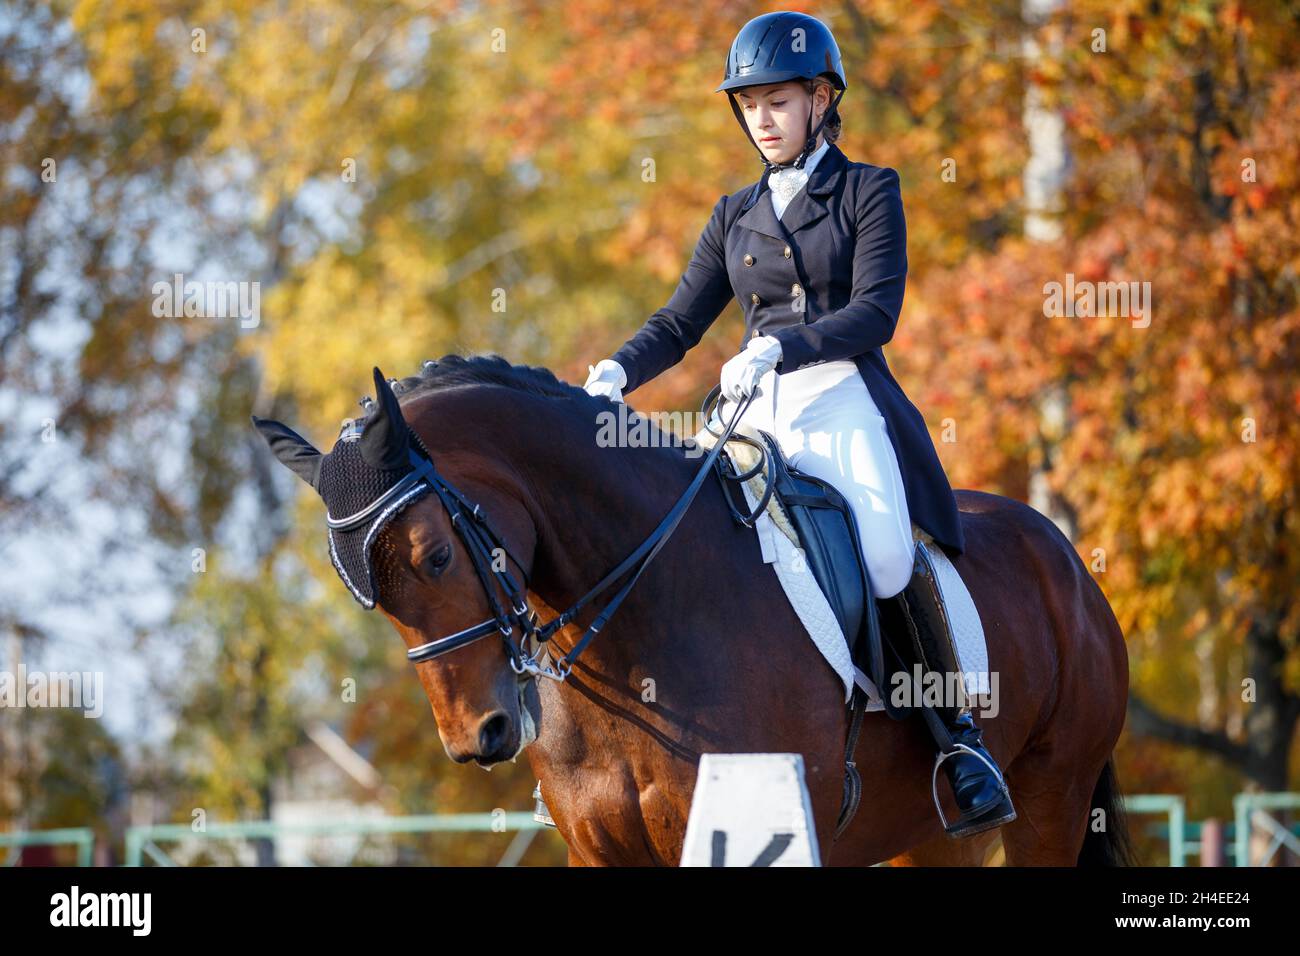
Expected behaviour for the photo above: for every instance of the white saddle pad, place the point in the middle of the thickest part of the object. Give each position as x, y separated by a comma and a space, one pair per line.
779, 543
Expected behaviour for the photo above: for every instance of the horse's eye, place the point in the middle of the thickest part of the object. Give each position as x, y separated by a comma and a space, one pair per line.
438, 560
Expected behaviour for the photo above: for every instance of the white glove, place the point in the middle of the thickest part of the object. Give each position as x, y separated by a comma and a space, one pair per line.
740, 374
607, 378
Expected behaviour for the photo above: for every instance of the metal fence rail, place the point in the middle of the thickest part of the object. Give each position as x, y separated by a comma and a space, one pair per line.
1174, 807
1251, 813
143, 841
82, 837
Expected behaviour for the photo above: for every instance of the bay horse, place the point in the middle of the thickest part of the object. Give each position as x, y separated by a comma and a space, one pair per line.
706, 653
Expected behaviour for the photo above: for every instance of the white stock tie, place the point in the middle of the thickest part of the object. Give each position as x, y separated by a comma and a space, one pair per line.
787, 182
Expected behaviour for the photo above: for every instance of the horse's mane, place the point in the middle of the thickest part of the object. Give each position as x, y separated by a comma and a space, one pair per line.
454, 371
451, 371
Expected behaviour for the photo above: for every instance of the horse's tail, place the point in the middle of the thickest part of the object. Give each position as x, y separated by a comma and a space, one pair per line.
1110, 844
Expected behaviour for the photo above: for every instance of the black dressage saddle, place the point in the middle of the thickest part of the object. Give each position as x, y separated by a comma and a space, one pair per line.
828, 534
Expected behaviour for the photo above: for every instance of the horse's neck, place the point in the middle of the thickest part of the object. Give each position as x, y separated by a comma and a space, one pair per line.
694, 636
594, 506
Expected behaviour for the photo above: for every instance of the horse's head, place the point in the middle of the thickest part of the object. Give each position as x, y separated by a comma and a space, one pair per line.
395, 544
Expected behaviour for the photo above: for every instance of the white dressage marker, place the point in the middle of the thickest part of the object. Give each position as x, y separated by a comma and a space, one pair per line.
750, 810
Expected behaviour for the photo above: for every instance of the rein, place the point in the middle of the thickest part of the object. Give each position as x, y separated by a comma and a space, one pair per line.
481, 541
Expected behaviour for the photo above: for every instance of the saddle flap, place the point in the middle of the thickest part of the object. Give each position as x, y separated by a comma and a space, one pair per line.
828, 532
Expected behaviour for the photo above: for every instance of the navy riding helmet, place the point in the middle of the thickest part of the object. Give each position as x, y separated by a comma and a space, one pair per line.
776, 47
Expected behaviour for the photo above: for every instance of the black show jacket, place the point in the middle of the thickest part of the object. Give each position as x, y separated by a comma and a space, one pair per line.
827, 281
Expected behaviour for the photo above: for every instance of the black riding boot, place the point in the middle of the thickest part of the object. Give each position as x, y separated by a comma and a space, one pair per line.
977, 783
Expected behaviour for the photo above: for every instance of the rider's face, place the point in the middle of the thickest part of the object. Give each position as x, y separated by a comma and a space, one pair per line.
777, 116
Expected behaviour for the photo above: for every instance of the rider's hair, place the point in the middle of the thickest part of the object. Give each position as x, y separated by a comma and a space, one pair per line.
832, 128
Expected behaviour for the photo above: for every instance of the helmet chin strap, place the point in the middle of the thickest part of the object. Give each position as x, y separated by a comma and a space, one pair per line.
810, 144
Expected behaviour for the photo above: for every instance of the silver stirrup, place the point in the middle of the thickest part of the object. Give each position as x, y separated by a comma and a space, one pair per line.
934, 776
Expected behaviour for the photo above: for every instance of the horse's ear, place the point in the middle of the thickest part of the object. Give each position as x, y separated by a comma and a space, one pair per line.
386, 438
293, 451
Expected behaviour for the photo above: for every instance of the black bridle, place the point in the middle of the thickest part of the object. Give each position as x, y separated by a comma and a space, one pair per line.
483, 544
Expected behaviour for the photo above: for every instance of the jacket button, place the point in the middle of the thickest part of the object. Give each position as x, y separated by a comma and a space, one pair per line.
749, 260
786, 253
753, 297
756, 334
796, 289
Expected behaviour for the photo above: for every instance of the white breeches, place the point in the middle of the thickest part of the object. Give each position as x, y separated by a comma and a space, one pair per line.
827, 424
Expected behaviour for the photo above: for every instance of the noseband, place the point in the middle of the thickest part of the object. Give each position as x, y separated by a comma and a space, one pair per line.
481, 541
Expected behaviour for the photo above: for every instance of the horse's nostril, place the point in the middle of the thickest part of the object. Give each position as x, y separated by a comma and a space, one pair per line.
492, 733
